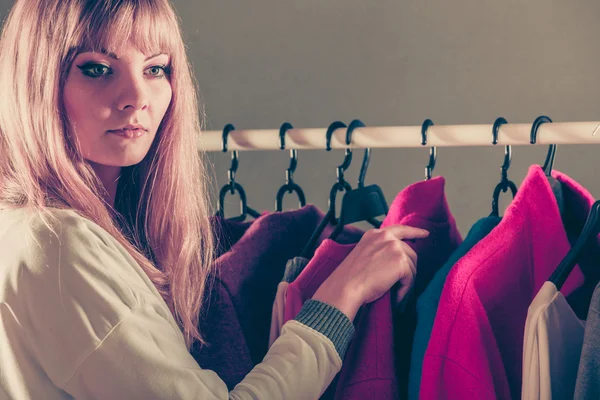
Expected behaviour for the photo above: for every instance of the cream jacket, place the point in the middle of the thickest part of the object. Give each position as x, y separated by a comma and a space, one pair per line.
80, 319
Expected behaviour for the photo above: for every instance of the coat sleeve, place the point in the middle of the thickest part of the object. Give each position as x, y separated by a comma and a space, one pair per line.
143, 358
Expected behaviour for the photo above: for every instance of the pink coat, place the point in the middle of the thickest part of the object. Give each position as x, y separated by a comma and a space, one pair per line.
476, 346
369, 370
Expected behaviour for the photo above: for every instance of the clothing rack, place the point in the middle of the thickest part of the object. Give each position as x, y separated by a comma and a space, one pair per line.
404, 136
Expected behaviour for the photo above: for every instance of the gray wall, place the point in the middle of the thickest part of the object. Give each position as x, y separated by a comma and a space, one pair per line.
393, 63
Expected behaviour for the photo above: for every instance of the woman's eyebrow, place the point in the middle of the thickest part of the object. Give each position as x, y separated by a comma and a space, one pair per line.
114, 56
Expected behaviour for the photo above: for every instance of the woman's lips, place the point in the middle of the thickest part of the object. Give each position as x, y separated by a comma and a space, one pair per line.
129, 133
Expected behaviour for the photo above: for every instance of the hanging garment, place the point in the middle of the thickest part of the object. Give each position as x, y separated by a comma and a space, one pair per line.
226, 233
237, 317
427, 303
476, 345
278, 313
552, 347
80, 319
369, 370
292, 269
588, 375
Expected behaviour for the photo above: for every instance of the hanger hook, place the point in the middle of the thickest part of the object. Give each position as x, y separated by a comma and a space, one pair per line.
507, 149
357, 123
505, 183
289, 175
549, 163
234, 157
232, 186
341, 184
432, 151
290, 186
348, 154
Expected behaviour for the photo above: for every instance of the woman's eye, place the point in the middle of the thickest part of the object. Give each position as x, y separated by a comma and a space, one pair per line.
158, 68
95, 71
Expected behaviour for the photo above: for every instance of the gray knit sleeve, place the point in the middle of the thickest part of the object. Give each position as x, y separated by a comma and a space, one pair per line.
328, 320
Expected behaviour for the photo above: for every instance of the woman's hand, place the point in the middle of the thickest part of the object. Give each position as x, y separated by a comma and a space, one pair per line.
379, 261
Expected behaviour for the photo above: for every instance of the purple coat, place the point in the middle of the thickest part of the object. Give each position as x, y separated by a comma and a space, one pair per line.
237, 319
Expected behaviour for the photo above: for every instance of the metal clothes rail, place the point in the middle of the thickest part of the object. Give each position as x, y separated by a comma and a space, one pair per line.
404, 136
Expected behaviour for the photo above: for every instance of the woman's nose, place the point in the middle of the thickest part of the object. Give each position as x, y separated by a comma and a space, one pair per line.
132, 93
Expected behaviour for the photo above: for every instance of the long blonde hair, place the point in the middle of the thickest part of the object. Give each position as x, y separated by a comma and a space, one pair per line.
162, 208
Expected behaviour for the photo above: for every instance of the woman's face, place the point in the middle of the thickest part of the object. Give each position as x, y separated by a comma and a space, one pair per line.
102, 93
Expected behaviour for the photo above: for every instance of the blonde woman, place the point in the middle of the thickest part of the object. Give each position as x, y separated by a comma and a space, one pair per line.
105, 245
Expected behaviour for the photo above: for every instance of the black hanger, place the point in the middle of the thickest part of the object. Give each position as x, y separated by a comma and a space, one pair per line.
290, 186
590, 231
232, 186
549, 163
365, 202
505, 183
361, 183
432, 151
339, 186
